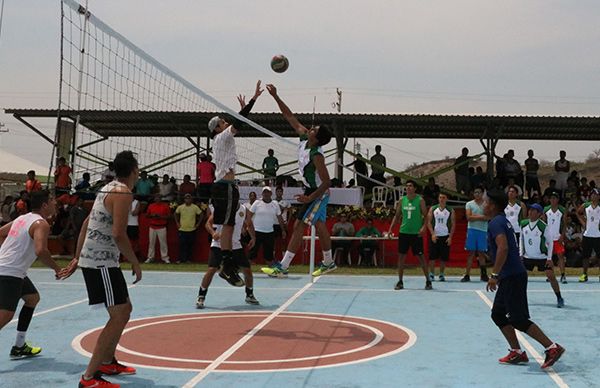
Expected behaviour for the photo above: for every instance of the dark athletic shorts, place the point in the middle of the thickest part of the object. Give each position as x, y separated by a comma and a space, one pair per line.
277, 230
511, 298
225, 199
216, 258
133, 232
530, 264
412, 241
588, 245
440, 249
12, 289
105, 286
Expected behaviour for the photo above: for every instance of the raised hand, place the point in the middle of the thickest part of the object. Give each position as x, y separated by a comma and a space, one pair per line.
258, 91
242, 100
272, 90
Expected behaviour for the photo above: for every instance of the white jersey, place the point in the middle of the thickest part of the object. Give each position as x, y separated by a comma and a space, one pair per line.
441, 221
131, 219
17, 253
224, 151
513, 214
99, 248
284, 206
536, 242
264, 214
555, 221
236, 238
592, 223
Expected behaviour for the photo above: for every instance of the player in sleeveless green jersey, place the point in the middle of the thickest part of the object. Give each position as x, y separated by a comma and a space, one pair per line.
441, 223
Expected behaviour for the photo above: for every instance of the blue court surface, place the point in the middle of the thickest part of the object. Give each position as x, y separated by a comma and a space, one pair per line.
449, 339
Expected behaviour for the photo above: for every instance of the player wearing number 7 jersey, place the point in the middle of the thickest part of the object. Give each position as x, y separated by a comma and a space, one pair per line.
556, 217
589, 215
410, 213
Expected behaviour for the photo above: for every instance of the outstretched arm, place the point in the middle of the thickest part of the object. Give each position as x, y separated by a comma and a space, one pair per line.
287, 113
246, 108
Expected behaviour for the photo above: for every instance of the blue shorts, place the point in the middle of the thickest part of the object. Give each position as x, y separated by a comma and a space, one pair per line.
476, 240
315, 211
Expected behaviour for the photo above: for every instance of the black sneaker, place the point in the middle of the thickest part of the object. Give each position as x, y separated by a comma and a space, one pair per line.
428, 285
465, 279
200, 301
399, 285
563, 279
250, 299
232, 277
484, 278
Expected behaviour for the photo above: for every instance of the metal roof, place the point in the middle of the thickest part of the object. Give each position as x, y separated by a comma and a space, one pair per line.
193, 124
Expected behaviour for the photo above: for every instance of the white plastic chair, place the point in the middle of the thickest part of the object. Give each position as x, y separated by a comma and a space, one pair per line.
379, 195
399, 192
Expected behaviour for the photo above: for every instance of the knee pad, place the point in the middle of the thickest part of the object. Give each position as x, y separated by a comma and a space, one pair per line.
499, 319
522, 325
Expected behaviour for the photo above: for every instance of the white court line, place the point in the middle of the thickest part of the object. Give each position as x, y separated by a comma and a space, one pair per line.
242, 341
538, 357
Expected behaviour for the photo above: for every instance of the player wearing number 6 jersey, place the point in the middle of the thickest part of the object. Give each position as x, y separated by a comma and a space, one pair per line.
410, 213
536, 248
555, 217
440, 222
589, 215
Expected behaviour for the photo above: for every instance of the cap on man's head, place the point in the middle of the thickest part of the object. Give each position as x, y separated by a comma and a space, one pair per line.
212, 124
555, 194
187, 195
537, 207
267, 188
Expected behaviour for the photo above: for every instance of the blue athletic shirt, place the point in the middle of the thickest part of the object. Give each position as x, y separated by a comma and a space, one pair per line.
513, 264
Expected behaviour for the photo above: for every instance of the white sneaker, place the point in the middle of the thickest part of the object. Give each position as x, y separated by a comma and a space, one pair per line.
148, 261
166, 261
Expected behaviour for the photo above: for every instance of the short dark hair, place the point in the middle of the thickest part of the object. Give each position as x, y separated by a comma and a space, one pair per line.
323, 135
38, 198
479, 187
498, 198
125, 163
30, 172
411, 182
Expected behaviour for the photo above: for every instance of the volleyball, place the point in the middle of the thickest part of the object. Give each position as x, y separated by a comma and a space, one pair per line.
279, 63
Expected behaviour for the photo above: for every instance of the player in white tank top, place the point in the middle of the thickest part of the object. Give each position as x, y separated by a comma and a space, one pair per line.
555, 216
516, 210
589, 215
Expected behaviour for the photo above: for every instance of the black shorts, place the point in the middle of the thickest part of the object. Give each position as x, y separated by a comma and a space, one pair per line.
412, 241
530, 264
216, 258
105, 286
133, 232
511, 298
277, 230
305, 206
588, 245
225, 200
439, 249
12, 289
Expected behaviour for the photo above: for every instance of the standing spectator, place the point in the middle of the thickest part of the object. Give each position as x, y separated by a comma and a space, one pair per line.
571, 189
187, 217
431, 192
32, 184
342, 228
368, 248
441, 221
22, 206
476, 243
270, 165
263, 212
362, 171
186, 187
62, 177
82, 189
144, 186
285, 206
77, 215
109, 174
531, 174
589, 215
251, 200
378, 160
158, 212
5, 210
133, 226
512, 169
461, 172
479, 178
167, 189
551, 189
206, 177
562, 167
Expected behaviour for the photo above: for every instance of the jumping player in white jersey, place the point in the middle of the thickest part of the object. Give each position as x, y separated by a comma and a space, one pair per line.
441, 223
21, 242
239, 256
536, 246
103, 239
589, 215
555, 216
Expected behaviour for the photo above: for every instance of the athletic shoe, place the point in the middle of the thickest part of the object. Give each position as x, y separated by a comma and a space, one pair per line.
115, 368
583, 278
431, 276
442, 277
275, 271
484, 278
563, 279
324, 268
547, 280
465, 279
166, 261
148, 261
232, 278
514, 357
428, 285
399, 285
250, 299
552, 355
200, 301
560, 302
96, 381
24, 351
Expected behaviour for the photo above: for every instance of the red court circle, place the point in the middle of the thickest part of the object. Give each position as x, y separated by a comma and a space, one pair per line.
289, 341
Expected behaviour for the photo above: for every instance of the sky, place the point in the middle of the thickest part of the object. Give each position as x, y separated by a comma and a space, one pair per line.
539, 57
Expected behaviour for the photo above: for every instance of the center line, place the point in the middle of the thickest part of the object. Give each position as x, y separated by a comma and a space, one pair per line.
242, 341
538, 357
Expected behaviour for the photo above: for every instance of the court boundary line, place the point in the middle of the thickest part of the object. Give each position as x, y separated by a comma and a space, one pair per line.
537, 356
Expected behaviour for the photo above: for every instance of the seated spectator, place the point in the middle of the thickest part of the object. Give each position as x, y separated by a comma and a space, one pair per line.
109, 174
431, 192
167, 189
574, 237
571, 188
61, 219
479, 178
143, 187
22, 206
158, 212
351, 183
77, 215
186, 187
551, 188
32, 184
583, 192
5, 210
83, 188
573, 203
575, 177
342, 228
368, 247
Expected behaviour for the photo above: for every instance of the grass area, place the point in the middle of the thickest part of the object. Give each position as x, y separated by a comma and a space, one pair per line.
303, 269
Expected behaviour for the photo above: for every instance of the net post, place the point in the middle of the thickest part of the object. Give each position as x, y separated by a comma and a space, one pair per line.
313, 243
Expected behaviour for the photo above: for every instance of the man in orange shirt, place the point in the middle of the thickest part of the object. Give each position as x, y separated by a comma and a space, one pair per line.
62, 177
206, 177
158, 213
32, 184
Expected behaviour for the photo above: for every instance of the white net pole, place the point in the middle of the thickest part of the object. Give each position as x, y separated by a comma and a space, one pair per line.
313, 244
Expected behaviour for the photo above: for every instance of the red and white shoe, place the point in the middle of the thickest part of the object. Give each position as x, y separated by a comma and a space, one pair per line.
552, 355
116, 368
514, 357
96, 381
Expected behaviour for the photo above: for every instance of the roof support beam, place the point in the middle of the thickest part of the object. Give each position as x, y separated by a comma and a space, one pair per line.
34, 129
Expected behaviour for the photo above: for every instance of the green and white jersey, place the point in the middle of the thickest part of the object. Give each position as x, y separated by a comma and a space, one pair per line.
412, 219
441, 220
306, 167
513, 214
536, 242
592, 224
555, 220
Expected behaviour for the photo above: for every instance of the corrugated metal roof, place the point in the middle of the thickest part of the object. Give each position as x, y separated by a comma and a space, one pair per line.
193, 124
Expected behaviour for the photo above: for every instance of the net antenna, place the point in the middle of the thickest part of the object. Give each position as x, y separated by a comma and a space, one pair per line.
105, 76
